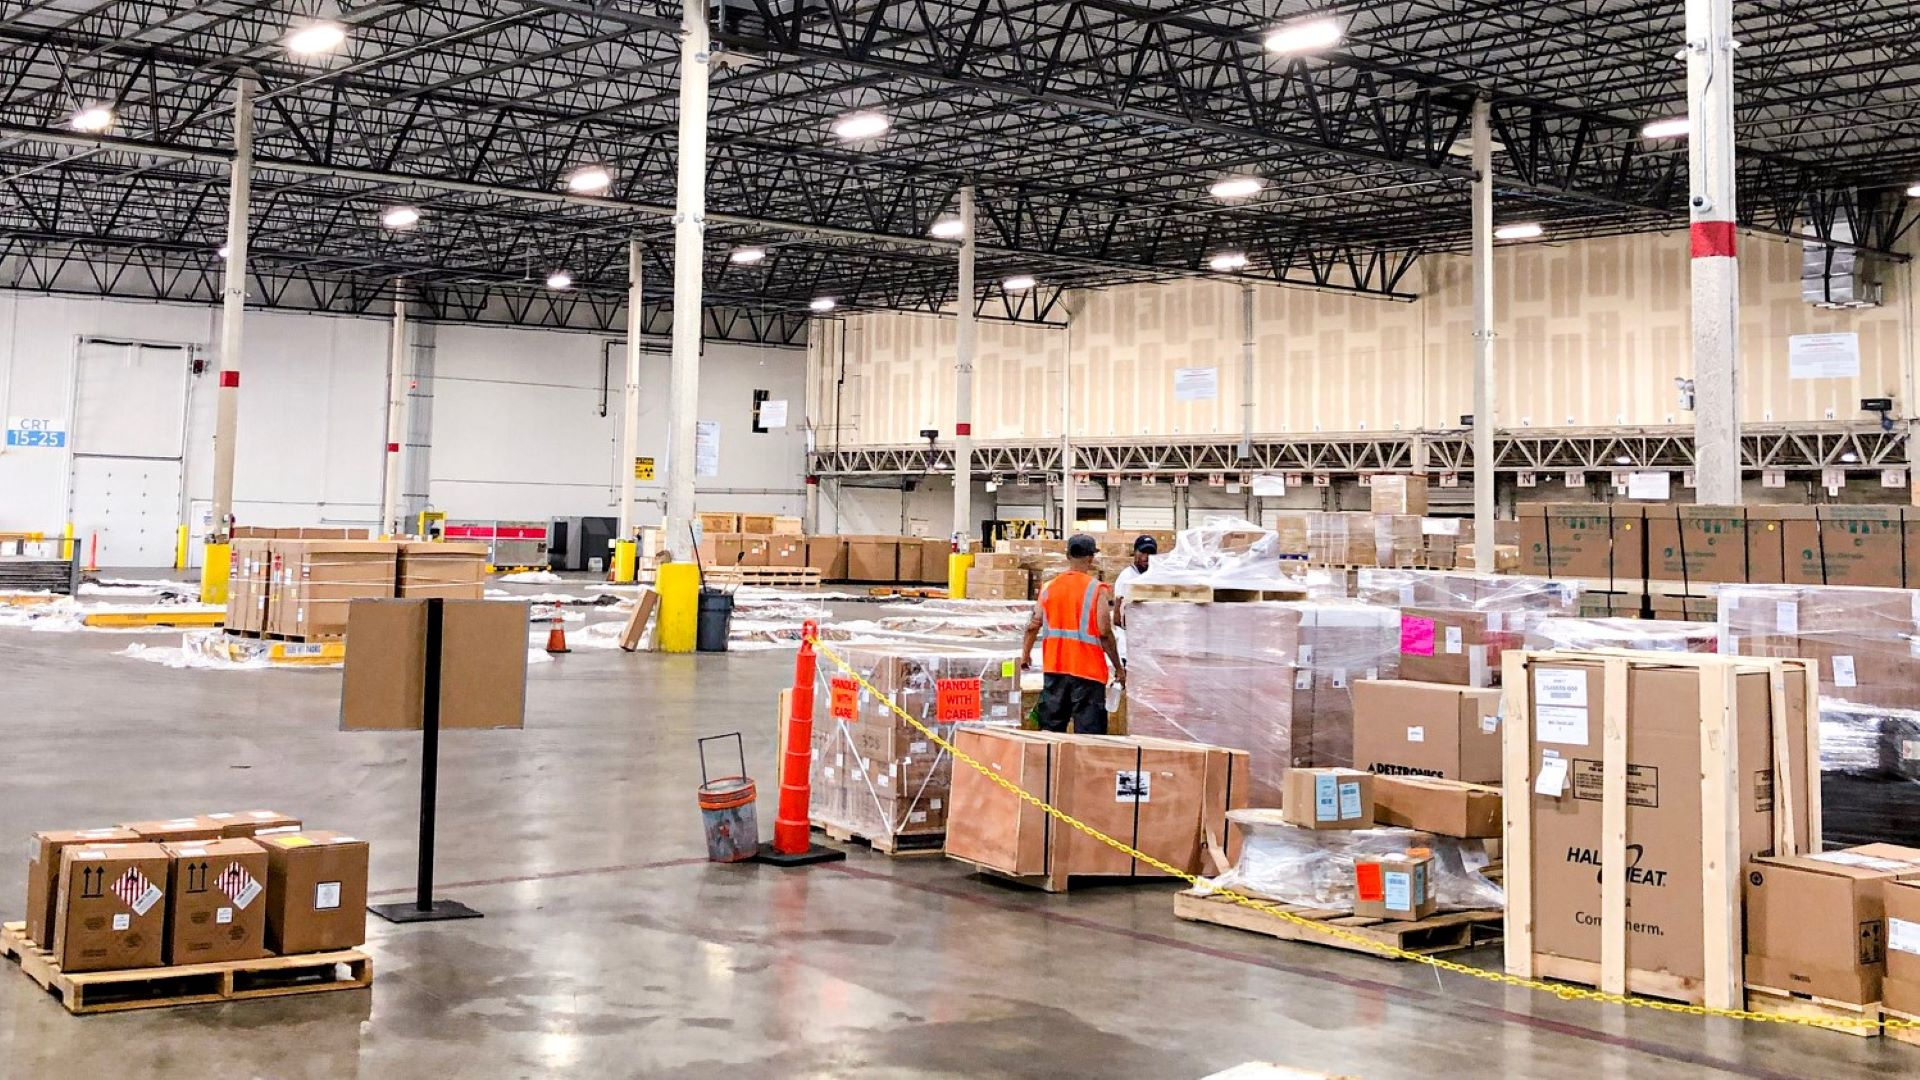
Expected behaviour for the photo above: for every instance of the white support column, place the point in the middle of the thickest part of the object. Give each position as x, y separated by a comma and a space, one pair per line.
689, 253
963, 384
1247, 349
1483, 394
630, 404
397, 378
1716, 271
1069, 489
233, 309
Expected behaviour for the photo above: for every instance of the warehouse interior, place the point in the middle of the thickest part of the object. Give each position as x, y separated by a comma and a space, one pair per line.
451, 424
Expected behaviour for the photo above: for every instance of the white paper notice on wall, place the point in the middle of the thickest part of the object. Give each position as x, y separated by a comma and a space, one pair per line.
1269, 486
1823, 356
1657, 486
1196, 384
1560, 686
706, 448
773, 414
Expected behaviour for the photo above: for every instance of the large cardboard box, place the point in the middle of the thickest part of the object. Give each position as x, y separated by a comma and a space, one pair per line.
317, 579
1392, 493
1901, 989
999, 584
786, 549
1571, 540
828, 554
874, 559
1328, 799
450, 571
1441, 807
1766, 544
316, 892
1341, 642
1697, 543
247, 585
111, 910
242, 824
1847, 545
43, 873
1815, 923
1404, 728
198, 827
1161, 797
218, 906
483, 665
1455, 645
933, 561
907, 568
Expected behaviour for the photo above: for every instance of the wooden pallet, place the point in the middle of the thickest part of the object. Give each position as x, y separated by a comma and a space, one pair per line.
186, 984
1429, 936
1767, 1000
899, 845
1063, 883
790, 577
1910, 1036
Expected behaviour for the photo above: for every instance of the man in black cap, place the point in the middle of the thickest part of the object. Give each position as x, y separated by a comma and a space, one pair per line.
1144, 549
1075, 619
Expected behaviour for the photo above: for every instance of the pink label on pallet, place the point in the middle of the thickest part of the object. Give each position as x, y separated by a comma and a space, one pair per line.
1416, 636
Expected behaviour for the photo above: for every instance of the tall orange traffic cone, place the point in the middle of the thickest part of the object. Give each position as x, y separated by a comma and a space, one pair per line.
557, 635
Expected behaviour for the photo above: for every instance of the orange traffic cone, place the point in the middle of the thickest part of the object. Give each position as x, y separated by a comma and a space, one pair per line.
557, 635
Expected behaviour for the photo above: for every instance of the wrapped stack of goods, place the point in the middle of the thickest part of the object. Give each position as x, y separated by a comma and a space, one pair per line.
877, 777
1454, 626
1861, 642
999, 575
298, 588
1609, 633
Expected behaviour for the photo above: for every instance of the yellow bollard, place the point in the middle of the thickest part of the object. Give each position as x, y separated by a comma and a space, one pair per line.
679, 587
215, 573
626, 561
180, 549
66, 543
957, 567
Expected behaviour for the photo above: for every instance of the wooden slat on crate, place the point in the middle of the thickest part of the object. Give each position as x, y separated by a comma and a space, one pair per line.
1429, 936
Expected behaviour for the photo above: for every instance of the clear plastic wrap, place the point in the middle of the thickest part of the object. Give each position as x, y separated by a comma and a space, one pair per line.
1455, 625
1224, 553
1340, 641
1465, 590
1643, 634
1314, 867
876, 776
1866, 641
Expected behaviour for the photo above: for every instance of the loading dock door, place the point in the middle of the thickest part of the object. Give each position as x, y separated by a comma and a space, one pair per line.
129, 440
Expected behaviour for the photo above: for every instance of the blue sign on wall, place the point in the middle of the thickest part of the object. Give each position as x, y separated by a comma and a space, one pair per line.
36, 431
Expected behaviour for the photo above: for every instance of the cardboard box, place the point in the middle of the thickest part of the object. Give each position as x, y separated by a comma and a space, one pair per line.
111, 910
1403, 728
828, 554
247, 823
1393, 886
1766, 545
1454, 645
934, 557
1696, 543
1901, 989
315, 580
1392, 493
198, 827
247, 591
1441, 807
874, 558
1581, 540
43, 874
1328, 799
786, 550
907, 568
451, 571
316, 892
996, 560
718, 523
483, 665
754, 551
218, 907
1847, 545
1816, 923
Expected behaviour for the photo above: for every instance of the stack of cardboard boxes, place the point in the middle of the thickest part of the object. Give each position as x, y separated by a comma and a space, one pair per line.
999, 575
752, 540
299, 587
202, 889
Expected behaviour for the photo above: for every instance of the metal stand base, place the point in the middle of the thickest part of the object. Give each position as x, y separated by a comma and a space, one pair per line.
815, 853
407, 911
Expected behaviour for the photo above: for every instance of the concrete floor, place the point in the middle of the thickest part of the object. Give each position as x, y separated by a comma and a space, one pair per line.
611, 949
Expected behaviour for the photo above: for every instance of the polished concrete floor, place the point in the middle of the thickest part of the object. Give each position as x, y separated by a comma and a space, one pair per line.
611, 949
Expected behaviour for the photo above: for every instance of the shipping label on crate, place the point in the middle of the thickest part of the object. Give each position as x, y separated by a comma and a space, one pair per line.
956, 701
843, 698
1134, 787
1643, 783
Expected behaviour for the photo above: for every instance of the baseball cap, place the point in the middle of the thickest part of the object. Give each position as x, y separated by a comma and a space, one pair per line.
1148, 545
1082, 547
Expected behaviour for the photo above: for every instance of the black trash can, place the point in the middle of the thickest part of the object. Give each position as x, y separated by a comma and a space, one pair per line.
716, 620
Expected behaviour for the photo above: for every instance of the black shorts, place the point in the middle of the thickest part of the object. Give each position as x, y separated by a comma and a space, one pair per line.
1069, 698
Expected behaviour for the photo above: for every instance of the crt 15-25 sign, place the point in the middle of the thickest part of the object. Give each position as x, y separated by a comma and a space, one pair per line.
35, 431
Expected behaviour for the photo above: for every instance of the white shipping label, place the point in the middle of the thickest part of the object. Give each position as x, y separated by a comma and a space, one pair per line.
1306, 656
1786, 616
1338, 677
260, 814
1496, 621
1133, 787
145, 901
1326, 798
917, 816
1843, 671
1560, 724
1903, 936
1453, 640
1553, 778
122, 921
933, 804
90, 855
223, 916
1489, 724
1416, 734
248, 894
1864, 862
193, 852
1399, 885
1350, 800
326, 896
1560, 686
219, 817
1302, 679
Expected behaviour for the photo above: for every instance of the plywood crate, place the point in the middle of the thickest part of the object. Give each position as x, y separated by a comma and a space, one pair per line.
718, 523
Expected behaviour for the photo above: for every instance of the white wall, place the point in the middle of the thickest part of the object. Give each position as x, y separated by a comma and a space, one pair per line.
516, 430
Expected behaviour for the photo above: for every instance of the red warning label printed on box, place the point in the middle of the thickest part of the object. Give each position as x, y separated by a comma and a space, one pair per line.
843, 698
956, 701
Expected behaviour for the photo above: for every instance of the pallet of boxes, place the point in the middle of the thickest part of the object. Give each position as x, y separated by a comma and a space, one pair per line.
298, 588
755, 549
215, 907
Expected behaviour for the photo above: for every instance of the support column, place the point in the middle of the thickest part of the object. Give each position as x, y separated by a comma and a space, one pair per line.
963, 384
1716, 272
1483, 395
1069, 489
217, 566
390, 523
625, 550
678, 583
1247, 348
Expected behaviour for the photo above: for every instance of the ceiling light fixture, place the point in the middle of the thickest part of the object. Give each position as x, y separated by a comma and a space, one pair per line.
1623, 460
1018, 283
1527, 230
400, 218
1914, 192
858, 126
93, 119
949, 228
1303, 37
1674, 128
1228, 261
591, 180
1849, 457
316, 38
746, 256
559, 281
1237, 187
824, 304
224, 251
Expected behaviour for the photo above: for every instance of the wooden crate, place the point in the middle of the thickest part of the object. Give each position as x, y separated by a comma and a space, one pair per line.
1430, 936
718, 523
186, 984
1860, 1021
1721, 857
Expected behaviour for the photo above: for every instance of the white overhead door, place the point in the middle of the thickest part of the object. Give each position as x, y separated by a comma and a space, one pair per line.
129, 439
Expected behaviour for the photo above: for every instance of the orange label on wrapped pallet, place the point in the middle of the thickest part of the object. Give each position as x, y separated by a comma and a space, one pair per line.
956, 700
843, 699
1367, 884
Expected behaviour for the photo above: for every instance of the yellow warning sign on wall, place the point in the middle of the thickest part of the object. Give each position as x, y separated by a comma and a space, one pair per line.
643, 468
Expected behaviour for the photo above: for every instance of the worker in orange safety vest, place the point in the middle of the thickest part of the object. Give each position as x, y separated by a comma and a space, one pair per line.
1074, 622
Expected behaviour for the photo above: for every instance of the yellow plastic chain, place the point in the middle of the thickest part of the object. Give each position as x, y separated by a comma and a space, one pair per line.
1563, 991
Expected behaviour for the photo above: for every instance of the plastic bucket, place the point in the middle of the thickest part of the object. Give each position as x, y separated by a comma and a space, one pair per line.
726, 813
716, 620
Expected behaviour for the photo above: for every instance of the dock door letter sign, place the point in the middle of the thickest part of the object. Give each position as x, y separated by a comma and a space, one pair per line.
36, 431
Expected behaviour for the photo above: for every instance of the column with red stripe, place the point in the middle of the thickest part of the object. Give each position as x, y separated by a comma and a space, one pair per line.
1716, 269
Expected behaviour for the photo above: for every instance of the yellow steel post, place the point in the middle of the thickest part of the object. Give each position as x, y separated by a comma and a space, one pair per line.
957, 567
626, 562
180, 549
215, 572
679, 587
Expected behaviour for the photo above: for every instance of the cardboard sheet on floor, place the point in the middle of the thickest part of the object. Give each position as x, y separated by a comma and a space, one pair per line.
635, 631
483, 672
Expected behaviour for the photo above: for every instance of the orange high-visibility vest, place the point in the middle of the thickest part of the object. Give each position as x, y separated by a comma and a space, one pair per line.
1070, 644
